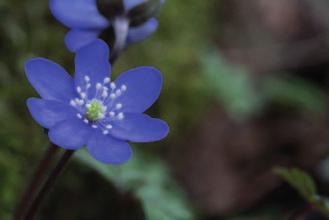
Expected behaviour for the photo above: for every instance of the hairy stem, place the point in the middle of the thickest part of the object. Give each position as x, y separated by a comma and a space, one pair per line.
32, 209
36, 180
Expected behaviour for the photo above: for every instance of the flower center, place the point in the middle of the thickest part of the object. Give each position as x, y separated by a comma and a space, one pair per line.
95, 110
97, 104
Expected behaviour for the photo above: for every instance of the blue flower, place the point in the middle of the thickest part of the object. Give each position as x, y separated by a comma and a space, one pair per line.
93, 111
87, 23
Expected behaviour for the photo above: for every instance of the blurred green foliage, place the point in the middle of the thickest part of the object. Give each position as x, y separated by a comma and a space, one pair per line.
244, 96
295, 92
232, 85
300, 180
150, 180
305, 186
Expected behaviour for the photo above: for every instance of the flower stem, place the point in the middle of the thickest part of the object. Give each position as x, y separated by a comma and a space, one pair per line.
32, 209
121, 27
36, 180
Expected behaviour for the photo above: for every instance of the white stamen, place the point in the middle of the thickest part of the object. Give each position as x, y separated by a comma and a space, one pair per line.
86, 121
105, 132
83, 95
87, 79
118, 106
112, 114
121, 116
112, 85
79, 89
88, 85
98, 86
118, 92
79, 115
105, 94
94, 126
72, 103
124, 88
80, 102
109, 126
107, 80
101, 116
112, 96
88, 105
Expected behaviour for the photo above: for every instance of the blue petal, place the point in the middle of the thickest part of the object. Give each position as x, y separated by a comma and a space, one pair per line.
107, 149
138, 127
143, 31
76, 39
78, 14
129, 4
70, 134
49, 79
143, 88
48, 113
93, 61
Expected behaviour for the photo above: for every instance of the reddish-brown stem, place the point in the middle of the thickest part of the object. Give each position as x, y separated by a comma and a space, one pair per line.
36, 180
50, 182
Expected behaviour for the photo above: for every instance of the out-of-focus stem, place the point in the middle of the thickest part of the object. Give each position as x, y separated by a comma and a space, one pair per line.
32, 209
35, 181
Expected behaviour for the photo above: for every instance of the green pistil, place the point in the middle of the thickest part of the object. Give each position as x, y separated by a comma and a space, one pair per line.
95, 110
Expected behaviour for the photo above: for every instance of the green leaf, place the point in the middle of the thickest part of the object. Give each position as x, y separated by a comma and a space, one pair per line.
291, 91
233, 86
305, 185
149, 179
299, 180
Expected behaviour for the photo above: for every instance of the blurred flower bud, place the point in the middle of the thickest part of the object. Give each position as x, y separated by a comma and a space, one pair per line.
90, 19
111, 8
143, 11
138, 11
